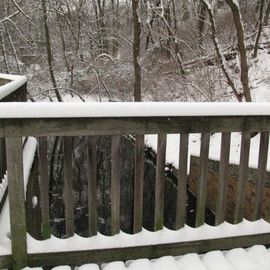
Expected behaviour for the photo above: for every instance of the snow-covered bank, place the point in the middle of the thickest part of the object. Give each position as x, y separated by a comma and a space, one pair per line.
173, 140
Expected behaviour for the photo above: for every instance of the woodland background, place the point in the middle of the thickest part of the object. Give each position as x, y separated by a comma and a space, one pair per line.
162, 50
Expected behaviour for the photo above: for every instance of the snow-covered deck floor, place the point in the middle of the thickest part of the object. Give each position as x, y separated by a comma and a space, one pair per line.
254, 258
145, 238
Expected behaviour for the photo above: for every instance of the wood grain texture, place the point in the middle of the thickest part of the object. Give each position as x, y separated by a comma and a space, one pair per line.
44, 186
92, 184
160, 182
33, 212
261, 174
138, 183
18, 95
115, 185
131, 125
6, 262
223, 178
242, 179
3, 163
182, 182
68, 186
202, 181
16, 202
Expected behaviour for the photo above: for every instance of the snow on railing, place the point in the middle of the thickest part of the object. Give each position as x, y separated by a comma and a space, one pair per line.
15, 82
137, 119
130, 109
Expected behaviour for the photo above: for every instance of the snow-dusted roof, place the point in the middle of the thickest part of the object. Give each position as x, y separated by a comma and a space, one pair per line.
130, 109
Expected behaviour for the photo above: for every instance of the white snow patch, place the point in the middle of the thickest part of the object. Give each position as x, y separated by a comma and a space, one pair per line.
34, 201
32, 268
164, 236
163, 263
240, 259
260, 254
130, 109
191, 262
3, 187
89, 266
173, 140
215, 260
114, 266
62, 267
142, 264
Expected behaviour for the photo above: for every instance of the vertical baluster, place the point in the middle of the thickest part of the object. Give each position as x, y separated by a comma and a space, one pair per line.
68, 197
115, 185
138, 183
182, 182
202, 184
3, 164
242, 179
223, 178
261, 174
160, 182
16, 202
92, 185
44, 186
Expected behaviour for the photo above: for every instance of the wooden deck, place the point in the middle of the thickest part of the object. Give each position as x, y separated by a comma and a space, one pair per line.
13, 129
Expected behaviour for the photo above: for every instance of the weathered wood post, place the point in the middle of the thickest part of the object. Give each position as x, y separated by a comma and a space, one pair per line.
44, 187
16, 202
20, 95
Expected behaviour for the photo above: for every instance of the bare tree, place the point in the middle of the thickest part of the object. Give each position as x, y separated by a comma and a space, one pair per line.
201, 23
136, 50
49, 50
221, 58
266, 14
235, 9
260, 20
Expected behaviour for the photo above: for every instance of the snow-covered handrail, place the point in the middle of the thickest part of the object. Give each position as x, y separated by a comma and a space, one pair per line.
131, 109
13, 89
15, 83
65, 119
93, 119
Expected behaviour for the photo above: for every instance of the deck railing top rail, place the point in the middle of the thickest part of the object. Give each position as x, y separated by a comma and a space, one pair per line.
85, 119
131, 109
71, 119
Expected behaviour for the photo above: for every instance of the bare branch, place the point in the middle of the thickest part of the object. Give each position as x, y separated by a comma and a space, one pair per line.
10, 16
21, 10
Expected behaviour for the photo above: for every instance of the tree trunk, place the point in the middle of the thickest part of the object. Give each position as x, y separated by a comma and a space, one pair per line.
234, 6
49, 50
200, 25
266, 14
255, 53
3, 49
136, 50
221, 58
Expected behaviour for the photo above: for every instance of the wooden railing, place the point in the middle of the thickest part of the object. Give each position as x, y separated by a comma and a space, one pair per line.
14, 90
115, 119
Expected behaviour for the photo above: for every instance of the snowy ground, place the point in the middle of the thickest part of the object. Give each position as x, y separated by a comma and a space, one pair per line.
260, 78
